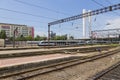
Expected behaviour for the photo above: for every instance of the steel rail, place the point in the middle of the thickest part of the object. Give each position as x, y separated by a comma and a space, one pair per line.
101, 74
54, 67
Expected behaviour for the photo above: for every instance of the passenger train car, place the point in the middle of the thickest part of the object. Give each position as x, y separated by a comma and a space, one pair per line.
65, 42
59, 42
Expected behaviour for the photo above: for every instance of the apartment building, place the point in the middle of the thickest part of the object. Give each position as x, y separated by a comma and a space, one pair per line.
21, 29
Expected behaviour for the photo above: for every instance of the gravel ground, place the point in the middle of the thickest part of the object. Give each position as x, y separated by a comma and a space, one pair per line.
82, 71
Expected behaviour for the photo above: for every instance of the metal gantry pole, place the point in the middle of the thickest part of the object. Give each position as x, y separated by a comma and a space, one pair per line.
48, 34
92, 13
80, 16
14, 39
14, 36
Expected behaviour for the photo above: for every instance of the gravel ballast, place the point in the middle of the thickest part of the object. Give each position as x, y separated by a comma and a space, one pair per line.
81, 72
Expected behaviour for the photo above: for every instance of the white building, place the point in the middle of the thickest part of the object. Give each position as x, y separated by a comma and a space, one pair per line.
21, 30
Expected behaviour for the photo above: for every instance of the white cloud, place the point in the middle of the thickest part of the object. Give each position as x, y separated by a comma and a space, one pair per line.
113, 24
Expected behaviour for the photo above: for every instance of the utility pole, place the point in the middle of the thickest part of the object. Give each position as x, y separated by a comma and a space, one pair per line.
14, 36
48, 34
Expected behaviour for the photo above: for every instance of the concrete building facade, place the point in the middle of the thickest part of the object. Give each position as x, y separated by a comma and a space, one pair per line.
21, 30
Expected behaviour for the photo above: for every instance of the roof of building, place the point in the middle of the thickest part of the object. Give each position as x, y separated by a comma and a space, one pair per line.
13, 24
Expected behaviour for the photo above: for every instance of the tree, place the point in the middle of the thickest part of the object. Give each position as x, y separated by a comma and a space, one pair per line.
20, 38
71, 37
29, 38
11, 38
3, 35
63, 37
43, 38
37, 38
52, 35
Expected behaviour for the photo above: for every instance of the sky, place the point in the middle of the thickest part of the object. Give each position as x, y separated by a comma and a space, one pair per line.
38, 13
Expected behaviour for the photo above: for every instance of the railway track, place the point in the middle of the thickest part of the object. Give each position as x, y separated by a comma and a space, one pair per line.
112, 73
53, 67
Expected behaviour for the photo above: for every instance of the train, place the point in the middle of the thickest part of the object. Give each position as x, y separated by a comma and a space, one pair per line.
58, 42
66, 42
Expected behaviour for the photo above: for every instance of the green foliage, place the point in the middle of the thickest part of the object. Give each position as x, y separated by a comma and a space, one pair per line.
11, 38
3, 34
114, 44
21, 38
71, 37
63, 37
38, 38
29, 38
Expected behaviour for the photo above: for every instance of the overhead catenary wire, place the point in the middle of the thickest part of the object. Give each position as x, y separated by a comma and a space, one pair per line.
97, 3
104, 6
111, 4
20, 12
108, 2
22, 19
48, 9
80, 16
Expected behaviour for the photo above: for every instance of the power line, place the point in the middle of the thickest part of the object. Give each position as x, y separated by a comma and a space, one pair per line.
19, 12
111, 4
26, 13
51, 10
98, 3
108, 2
104, 6
22, 19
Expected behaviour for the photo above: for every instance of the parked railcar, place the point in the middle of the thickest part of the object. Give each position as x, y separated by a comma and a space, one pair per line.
59, 43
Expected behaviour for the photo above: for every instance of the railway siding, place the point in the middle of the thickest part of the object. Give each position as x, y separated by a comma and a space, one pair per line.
80, 71
35, 52
111, 73
18, 68
24, 67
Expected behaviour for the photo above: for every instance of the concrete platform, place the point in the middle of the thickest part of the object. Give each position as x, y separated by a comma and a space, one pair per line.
29, 49
25, 60
35, 52
15, 65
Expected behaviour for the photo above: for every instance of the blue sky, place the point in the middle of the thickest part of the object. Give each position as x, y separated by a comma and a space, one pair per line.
50, 10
